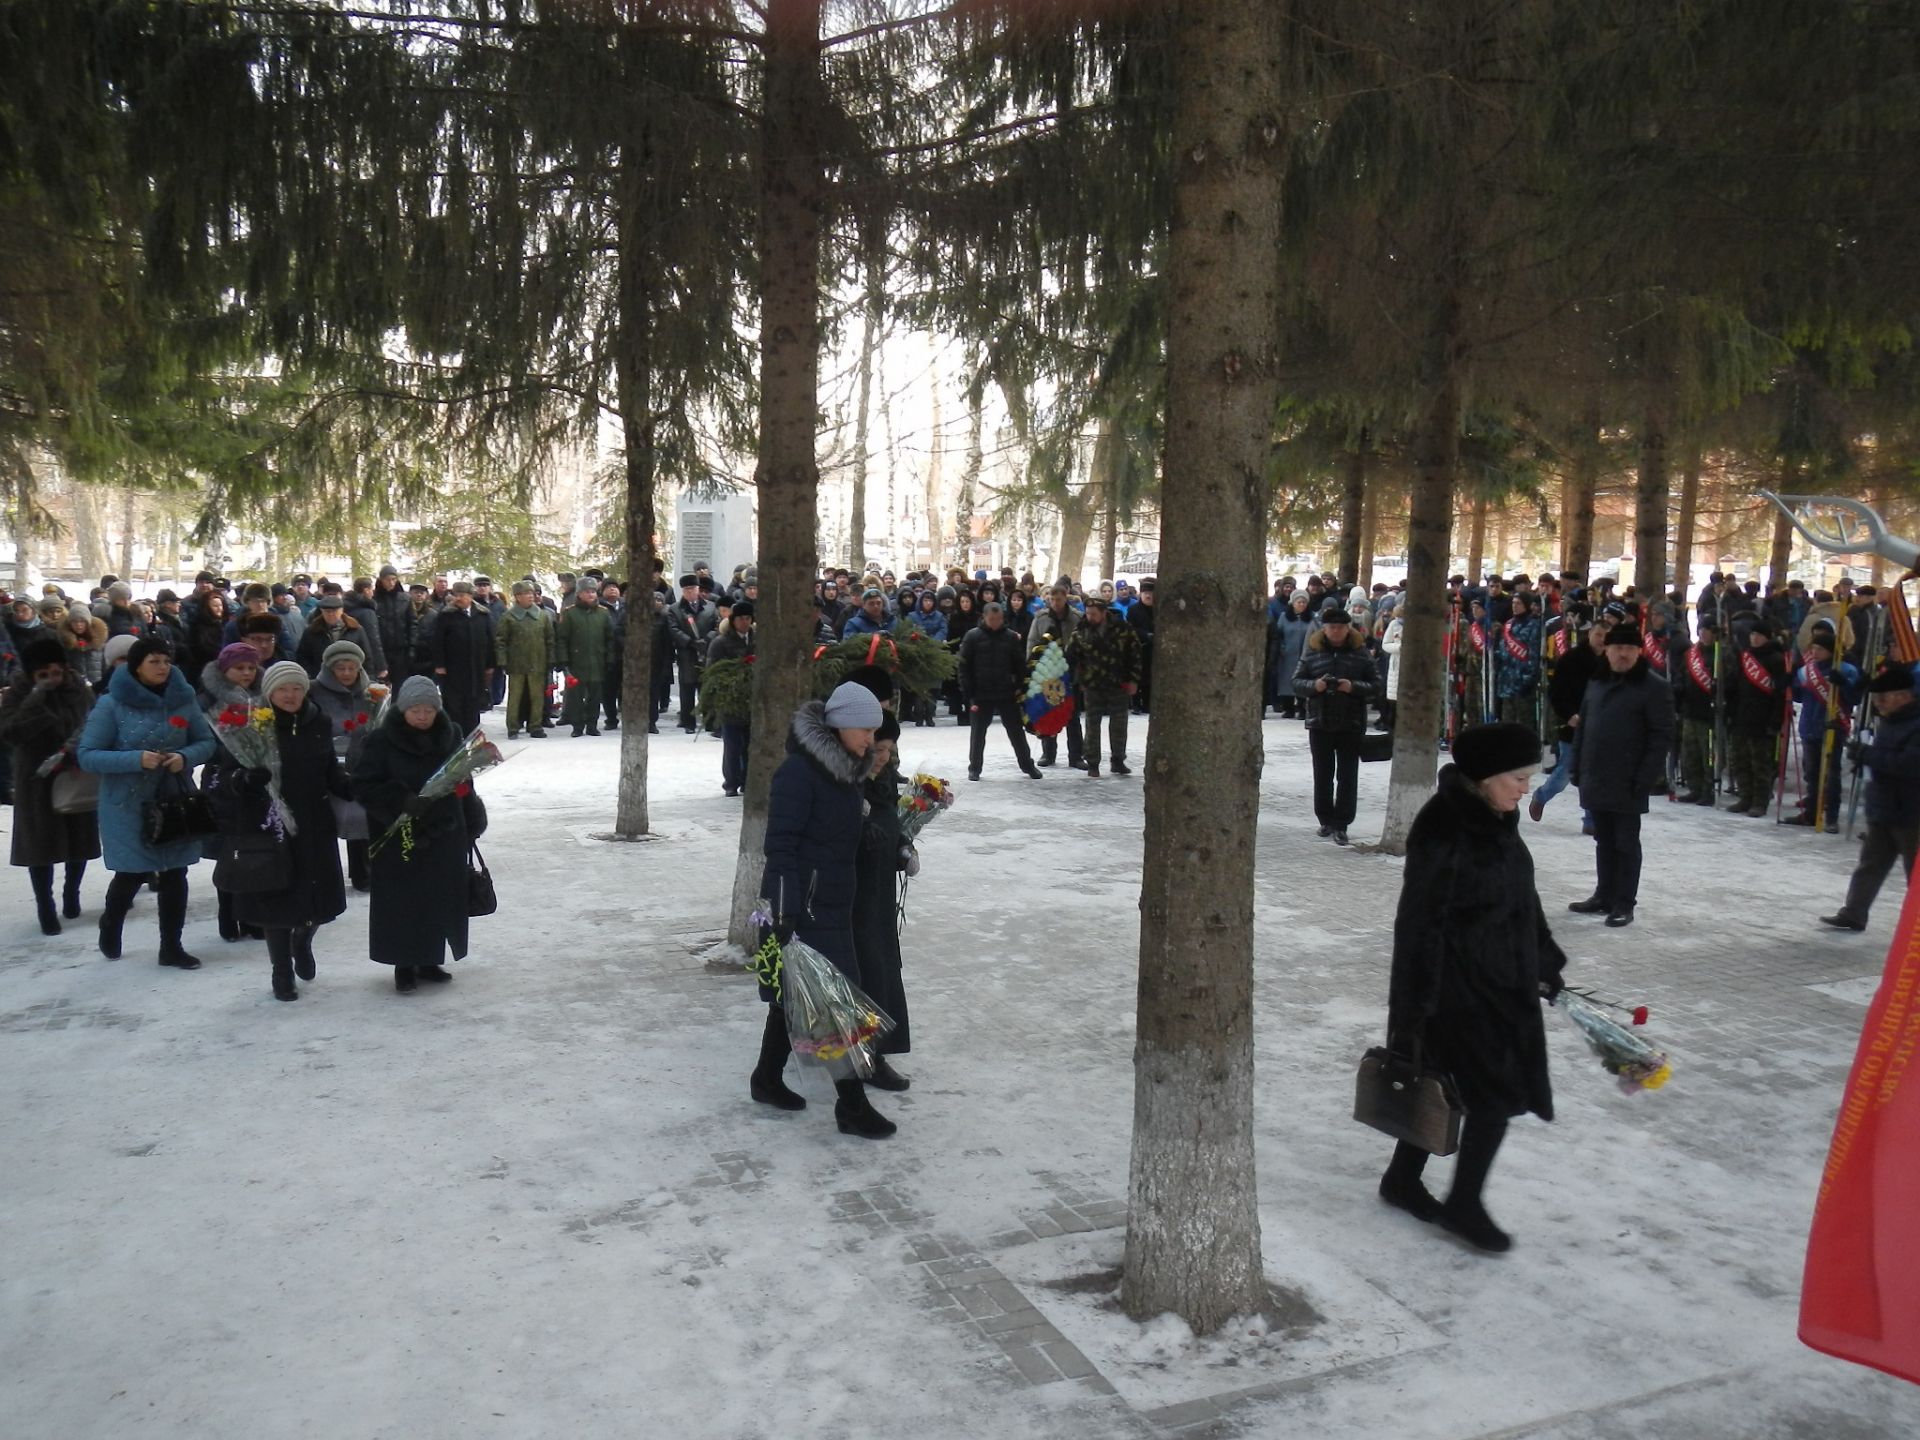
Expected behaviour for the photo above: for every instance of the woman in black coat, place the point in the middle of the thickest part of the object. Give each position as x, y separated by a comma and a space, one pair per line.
307, 775
41, 711
884, 853
815, 816
1472, 957
419, 906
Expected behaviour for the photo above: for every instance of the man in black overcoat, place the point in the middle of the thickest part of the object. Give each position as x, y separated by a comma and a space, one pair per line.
1620, 758
461, 649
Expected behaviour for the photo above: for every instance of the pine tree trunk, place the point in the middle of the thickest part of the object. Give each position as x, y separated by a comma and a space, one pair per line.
936, 465
1650, 493
1421, 661
1109, 503
25, 505
1353, 513
129, 523
1193, 1223
1477, 543
872, 317
1369, 531
1780, 555
86, 532
1582, 481
1684, 525
633, 378
969, 487
1076, 529
787, 475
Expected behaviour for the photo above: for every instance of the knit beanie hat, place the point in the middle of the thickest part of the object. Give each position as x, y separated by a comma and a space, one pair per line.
417, 690
285, 672
140, 649
120, 591
852, 707
1482, 751
341, 650
42, 653
235, 654
116, 649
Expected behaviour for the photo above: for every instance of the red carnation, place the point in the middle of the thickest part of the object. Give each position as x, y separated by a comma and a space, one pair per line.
178, 722
361, 718
572, 682
465, 787
748, 659
1640, 1015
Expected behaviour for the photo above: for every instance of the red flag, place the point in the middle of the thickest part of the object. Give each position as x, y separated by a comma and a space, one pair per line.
1860, 1297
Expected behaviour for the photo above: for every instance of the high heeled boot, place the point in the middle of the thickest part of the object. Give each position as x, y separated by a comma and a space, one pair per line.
42, 878
855, 1115
70, 898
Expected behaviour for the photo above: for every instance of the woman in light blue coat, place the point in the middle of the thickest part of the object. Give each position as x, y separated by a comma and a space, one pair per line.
142, 739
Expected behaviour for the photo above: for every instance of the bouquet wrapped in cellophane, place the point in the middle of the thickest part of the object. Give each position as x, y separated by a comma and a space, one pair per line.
1623, 1054
925, 798
454, 777
248, 736
829, 1018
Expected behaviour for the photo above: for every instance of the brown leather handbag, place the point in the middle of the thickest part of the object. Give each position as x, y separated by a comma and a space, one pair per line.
1404, 1098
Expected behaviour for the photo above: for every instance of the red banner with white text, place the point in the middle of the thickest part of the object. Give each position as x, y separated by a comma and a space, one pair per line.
1860, 1297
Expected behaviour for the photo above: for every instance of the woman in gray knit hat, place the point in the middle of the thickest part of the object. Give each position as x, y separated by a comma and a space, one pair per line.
419, 910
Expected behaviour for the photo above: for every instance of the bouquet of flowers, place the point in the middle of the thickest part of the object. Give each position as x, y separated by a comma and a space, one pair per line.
247, 734
829, 1018
925, 798
1622, 1053
454, 777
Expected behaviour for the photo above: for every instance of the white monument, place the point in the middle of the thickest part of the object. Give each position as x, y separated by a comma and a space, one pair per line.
719, 531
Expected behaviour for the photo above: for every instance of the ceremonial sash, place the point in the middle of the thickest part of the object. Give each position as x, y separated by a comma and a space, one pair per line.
1477, 632
1822, 688
1699, 671
1757, 675
1516, 648
1656, 648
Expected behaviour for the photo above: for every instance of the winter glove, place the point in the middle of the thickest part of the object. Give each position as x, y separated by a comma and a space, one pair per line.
1550, 988
416, 805
257, 778
910, 861
1857, 753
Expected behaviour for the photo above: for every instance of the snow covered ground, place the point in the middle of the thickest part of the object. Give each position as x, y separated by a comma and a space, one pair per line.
537, 1202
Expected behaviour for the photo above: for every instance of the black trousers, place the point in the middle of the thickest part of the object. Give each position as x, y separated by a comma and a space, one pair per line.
1336, 775
689, 684
1879, 848
1480, 1137
583, 706
981, 720
610, 693
662, 694
1616, 858
735, 738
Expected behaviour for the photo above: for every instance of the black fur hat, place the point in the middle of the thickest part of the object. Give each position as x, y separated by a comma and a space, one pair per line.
1482, 751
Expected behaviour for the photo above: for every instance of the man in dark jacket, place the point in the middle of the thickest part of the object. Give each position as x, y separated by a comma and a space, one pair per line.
1694, 701
694, 622
1620, 758
993, 678
1058, 620
1141, 617
461, 650
1105, 656
581, 638
1567, 680
1753, 696
1893, 794
1336, 677
736, 736
393, 616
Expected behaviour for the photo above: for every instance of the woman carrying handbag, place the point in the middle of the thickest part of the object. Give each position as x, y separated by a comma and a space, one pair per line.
142, 738
1472, 960
284, 877
40, 716
421, 900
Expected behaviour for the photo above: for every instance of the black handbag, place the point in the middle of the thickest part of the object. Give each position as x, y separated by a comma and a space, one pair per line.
480, 897
1401, 1097
187, 815
252, 863
1376, 745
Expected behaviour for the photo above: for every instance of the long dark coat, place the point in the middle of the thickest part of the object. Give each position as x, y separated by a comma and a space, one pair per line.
1470, 948
876, 909
419, 908
36, 723
462, 645
1620, 745
309, 774
814, 818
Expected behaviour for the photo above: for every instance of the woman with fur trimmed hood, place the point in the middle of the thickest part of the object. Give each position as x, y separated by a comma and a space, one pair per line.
815, 815
85, 636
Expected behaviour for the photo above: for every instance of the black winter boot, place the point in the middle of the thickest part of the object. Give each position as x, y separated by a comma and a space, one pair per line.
42, 878
302, 951
70, 899
766, 1084
404, 979
855, 1114
120, 892
229, 927
173, 920
280, 952
885, 1077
